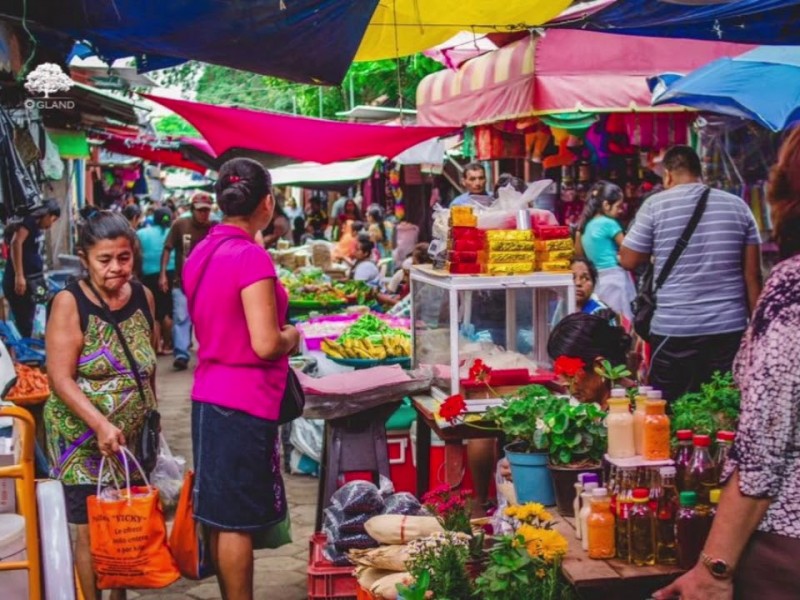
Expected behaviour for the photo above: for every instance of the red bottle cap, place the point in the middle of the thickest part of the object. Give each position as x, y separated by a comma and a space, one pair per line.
641, 494
703, 441
725, 436
685, 435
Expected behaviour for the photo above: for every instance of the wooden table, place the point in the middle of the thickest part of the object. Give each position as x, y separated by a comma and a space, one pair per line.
453, 438
609, 579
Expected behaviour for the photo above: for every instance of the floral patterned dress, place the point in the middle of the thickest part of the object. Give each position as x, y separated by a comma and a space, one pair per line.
105, 377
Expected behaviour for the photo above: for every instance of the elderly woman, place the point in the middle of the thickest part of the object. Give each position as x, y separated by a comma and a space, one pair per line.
97, 405
241, 376
755, 539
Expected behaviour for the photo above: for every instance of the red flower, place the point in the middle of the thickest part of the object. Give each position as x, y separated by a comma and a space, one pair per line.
480, 372
452, 408
568, 366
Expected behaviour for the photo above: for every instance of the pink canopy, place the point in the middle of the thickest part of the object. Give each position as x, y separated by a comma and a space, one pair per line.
562, 71
300, 138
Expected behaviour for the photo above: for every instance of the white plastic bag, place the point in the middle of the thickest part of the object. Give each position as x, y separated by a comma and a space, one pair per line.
167, 475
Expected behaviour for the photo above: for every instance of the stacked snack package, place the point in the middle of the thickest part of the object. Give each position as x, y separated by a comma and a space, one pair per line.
508, 252
466, 240
554, 248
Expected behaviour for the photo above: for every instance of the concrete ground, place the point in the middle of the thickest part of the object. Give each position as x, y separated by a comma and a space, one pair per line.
279, 574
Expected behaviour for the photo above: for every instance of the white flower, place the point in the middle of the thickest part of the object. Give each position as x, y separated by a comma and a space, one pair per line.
542, 426
573, 401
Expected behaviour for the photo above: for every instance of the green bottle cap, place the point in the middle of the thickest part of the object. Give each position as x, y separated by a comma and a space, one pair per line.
688, 498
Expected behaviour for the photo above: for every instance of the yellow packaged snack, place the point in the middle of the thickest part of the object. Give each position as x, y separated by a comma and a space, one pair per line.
463, 220
553, 245
505, 257
553, 265
509, 235
461, 211
509, 246
554, 255
509, 268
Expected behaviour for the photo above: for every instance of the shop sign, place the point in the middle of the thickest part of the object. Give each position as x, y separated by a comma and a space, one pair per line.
47, 79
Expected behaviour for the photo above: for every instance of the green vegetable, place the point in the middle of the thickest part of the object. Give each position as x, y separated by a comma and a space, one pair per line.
715, 408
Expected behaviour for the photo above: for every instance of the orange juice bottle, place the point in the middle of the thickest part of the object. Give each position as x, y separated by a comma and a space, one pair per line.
656, 434
600, 526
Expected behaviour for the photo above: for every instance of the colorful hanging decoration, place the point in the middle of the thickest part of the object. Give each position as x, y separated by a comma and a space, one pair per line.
396, 191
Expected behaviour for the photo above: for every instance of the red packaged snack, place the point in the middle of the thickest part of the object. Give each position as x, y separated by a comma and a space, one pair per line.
551, 232
467, 245
463, 257
466, 233
464, 268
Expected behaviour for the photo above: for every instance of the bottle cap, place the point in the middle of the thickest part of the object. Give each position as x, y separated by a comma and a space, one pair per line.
618, 393
714, 496
591, 478
643, 389
654, 395
685, 435
688, 498
702, 441
599, 492
726, 436
667, 471
641, 495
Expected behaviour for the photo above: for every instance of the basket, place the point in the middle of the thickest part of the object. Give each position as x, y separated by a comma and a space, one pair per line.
326, 582
368, 363
31, 400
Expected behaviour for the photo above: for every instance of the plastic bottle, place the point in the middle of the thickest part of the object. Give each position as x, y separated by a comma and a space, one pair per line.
638, 421
656, 435
586, 510
619, 423
624, 505
701, 475
666, 548
583, 479
724, 445
682, 456
689, 531
641, 526
600, 526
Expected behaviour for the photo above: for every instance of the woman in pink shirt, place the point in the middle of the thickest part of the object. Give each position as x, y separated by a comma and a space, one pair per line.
239, 310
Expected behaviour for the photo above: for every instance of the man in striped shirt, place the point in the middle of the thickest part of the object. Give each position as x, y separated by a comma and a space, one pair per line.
703, 308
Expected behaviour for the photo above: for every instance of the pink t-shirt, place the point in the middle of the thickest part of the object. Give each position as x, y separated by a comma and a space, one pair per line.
229, 373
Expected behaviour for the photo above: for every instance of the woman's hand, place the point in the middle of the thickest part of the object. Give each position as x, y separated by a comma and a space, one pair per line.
20, 285
697, 584
109, 438
292, 337
505, 469
163, 283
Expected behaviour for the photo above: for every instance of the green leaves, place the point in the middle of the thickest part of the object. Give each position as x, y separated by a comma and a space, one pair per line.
715, 408
612, 373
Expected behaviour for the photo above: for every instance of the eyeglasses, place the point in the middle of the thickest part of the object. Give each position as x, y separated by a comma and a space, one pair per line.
203, 209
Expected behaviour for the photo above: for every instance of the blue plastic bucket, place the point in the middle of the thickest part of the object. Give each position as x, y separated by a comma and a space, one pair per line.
532, 482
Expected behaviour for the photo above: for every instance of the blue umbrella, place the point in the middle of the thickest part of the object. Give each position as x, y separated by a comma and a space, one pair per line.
762, 85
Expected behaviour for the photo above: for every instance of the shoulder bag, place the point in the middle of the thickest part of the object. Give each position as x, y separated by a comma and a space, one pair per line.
644, 305
294, 399
147, 452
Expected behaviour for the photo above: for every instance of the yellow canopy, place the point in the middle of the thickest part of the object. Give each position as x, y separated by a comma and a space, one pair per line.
423, 24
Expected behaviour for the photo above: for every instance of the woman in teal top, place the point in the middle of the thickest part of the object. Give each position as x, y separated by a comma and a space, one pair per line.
599, 238
152, 239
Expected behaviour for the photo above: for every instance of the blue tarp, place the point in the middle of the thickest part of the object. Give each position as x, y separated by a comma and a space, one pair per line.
762, 85
310, 41
767, 22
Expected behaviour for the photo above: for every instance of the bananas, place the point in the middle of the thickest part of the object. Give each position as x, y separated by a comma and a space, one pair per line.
374, 347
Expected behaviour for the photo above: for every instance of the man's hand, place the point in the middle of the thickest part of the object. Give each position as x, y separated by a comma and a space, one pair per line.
163, 282
697, 584
20, 285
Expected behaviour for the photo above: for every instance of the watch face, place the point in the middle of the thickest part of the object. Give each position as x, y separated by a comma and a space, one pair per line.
718, 567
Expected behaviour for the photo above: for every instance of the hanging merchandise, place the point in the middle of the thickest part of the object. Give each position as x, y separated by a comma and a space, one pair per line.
18, 189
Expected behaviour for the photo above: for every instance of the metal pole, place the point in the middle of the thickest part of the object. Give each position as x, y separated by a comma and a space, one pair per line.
352, 94
320, 101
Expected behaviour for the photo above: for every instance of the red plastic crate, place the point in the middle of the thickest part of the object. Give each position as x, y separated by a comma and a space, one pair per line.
401, 464
326, 581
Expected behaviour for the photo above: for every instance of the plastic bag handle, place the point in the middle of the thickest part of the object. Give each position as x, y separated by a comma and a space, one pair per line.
125, 453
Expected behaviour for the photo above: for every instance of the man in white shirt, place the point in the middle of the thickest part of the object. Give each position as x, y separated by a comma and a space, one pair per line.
474, 181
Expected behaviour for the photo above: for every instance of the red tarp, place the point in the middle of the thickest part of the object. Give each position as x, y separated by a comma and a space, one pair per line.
299, 138
563, 71
150, 150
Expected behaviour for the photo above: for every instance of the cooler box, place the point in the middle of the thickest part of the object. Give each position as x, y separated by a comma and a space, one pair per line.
401, 461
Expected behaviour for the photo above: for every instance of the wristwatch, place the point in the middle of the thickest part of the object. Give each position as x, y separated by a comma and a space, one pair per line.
716, 566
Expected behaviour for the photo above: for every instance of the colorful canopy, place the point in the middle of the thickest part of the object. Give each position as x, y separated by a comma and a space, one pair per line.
745, 21
299, 138
316, 174
166, 151
562, 71
736, 86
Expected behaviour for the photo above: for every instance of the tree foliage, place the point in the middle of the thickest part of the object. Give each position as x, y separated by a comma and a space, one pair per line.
175, 126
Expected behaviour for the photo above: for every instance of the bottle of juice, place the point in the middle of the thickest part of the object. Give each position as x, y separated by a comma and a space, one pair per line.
586, 510
638, 420
689, 531
701, 474
724, 445
656, 433
624, 504
641, 526
600, 526
666, 550
682, 456
619, 423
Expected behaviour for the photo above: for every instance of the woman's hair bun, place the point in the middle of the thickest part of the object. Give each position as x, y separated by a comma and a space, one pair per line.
242, 185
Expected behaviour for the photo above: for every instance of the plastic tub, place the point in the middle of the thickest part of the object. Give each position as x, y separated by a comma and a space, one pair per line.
12, 549
326, 582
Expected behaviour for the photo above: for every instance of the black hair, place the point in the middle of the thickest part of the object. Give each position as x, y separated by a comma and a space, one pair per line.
420, 254
683, 158
357, 226
242, 185
48, 208
474, 166
105, 225
357, 213
589, 265
366, 245
132, 211
376, 212
589, 337
162, 217
507, 179
602, 191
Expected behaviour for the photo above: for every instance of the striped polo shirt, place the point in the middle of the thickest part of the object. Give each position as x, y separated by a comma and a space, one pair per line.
705, 293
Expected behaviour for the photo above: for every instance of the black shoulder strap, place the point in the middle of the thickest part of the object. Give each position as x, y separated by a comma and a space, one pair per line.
683, 242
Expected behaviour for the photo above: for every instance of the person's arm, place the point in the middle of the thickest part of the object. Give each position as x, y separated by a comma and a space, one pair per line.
752, 275
579, 244
163, 282
63, 344
151, 303
281, 228
268, 340
20, 235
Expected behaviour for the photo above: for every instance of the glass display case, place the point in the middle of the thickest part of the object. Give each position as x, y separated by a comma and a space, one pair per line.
458, 318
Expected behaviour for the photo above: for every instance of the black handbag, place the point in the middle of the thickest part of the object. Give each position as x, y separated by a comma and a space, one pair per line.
149, 442
294, 399
644, 305
37, 288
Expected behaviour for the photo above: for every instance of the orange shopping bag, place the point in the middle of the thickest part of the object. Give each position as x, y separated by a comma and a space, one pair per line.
128, 536
188, 541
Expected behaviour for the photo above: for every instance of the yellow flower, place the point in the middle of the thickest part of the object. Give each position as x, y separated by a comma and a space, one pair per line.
543, 543
528, 513
511, 511
540, 573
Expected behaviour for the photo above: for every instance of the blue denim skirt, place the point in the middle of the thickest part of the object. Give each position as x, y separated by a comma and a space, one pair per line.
237, 484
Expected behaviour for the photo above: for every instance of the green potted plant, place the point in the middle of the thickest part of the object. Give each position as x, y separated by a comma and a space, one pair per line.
438, 565
714, 408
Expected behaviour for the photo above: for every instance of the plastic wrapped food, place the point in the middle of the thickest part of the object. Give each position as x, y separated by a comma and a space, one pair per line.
554, 255
465, 256
510, 268
358, 497
463, 220
555, 265
461, 211
386, 588
509, 235
551, 245
464, 268
396, 529
333, 518
550, 232
510, 246
467, 245
506, 257
402, 503
466, 233
366, 576
389, 558
337, 557
355, 541
353, 524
